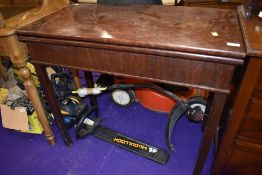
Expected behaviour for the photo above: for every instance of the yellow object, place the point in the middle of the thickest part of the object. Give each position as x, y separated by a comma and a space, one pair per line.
3, 95
74, 99
34, 76
50, 71
64, 113
67, 113
34, 125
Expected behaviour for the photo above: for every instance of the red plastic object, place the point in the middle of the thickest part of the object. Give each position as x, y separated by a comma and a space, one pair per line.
156, 101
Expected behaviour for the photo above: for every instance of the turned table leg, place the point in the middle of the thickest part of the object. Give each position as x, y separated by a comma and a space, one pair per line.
50, 95
31, 90
210, 130
18, 55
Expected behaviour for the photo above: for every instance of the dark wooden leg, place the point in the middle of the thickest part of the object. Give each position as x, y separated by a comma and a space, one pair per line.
76, 78
207, 111
50, 95
90, 84
210, 130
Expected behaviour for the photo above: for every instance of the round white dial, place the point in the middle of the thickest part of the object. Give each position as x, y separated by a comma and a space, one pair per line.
202, 107
121, 97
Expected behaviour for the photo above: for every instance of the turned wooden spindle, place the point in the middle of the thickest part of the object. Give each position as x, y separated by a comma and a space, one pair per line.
29, 85
18, 55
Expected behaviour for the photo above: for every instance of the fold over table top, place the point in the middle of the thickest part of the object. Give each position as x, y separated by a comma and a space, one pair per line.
206, 31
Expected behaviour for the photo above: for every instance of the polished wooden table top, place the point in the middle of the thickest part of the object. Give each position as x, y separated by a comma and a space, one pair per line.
252, 32
183, 29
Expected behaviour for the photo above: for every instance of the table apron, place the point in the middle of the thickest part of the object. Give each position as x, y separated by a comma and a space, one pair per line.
171, 70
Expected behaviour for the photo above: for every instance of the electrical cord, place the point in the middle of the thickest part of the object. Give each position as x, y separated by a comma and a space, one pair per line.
20, 102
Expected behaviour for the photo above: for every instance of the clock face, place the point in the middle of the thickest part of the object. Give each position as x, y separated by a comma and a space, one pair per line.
121, 97
201, 106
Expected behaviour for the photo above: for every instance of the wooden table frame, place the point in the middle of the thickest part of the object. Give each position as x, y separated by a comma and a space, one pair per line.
218, 100
192, 69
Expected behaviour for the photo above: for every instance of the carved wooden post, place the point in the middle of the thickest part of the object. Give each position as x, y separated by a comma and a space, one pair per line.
18, 56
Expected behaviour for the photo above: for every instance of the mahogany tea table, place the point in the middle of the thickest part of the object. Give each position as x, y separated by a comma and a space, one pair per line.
187, 46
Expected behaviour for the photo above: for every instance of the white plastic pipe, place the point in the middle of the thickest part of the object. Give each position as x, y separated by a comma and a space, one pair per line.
82, 92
